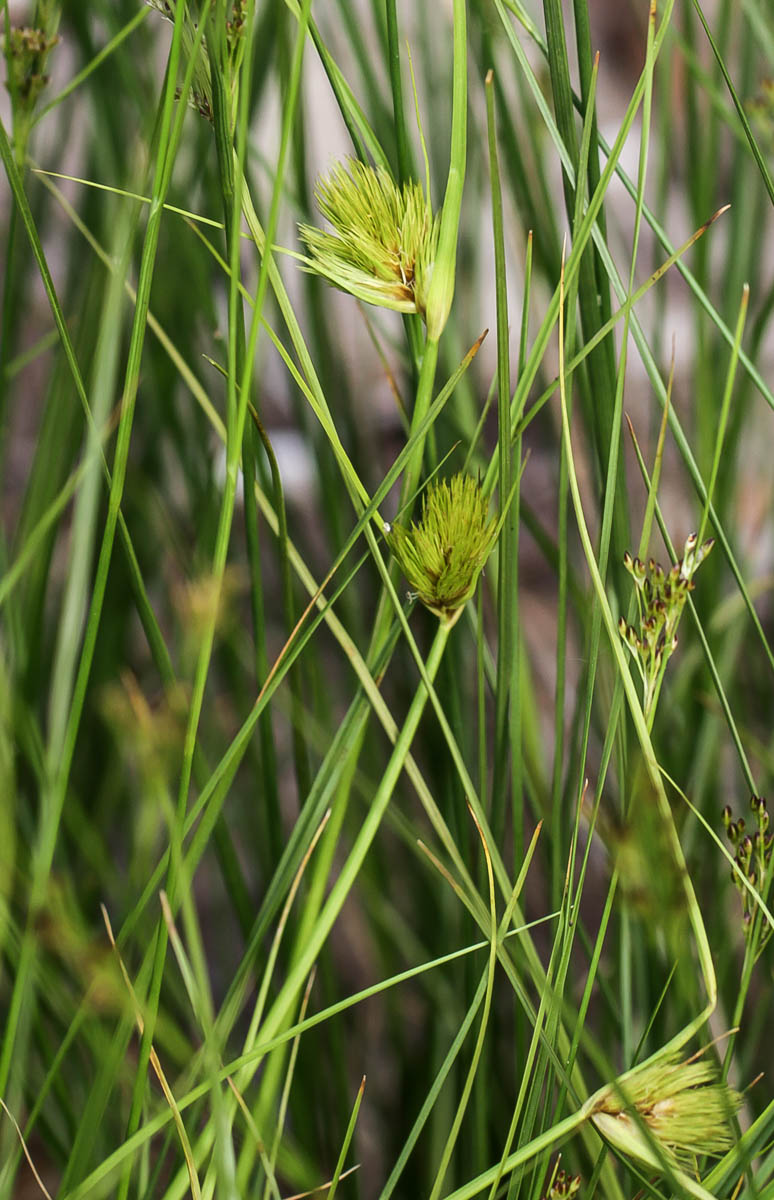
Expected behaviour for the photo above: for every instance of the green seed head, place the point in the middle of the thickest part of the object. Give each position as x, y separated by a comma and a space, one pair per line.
384, 239
444, 553
752, 858
26, 52
661, 597
682, 1104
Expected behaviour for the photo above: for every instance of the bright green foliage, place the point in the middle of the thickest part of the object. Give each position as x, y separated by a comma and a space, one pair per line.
385, 238
661, 598
443, 554
682, 1104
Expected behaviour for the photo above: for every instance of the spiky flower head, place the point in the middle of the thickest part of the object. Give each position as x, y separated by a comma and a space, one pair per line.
26, 52
753, 849
384, 240
443, 554
683, 1106
661, 597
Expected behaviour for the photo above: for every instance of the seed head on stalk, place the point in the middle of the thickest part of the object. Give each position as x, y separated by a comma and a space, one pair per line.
683, 1106
383, 241
661, 597
443, 554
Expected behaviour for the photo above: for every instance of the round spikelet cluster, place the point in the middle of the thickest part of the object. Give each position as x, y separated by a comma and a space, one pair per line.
683, 1105
443, 554
383, 241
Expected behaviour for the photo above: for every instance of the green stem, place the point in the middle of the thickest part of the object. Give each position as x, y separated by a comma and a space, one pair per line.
303, 777
235, 428
399, 116
60, 757
271, 803
422, 403
507, 607
349, 871
226, 170
10, 309
641, 729
441, 291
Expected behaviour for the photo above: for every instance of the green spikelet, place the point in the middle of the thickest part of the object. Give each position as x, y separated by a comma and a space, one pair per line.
683, 1105
661, 597
444, 553
26, 53
384, 238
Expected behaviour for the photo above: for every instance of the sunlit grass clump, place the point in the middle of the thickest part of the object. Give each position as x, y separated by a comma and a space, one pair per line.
384, 239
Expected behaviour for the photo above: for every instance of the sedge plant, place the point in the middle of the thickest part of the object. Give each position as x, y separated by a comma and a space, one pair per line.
309, 593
